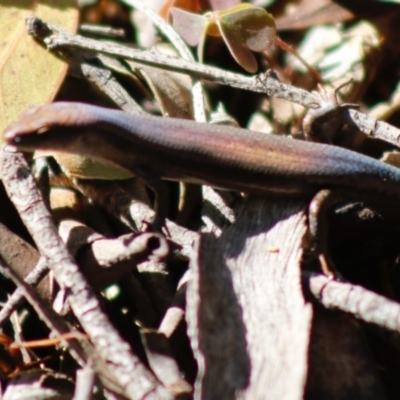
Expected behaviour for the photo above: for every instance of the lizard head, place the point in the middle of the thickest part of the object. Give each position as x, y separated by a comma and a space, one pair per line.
48, 127
67, 131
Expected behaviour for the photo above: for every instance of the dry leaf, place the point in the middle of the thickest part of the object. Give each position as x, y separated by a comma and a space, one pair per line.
30, 75
244, 29
171, 90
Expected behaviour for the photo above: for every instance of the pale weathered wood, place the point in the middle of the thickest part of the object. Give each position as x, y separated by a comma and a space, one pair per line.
248, 321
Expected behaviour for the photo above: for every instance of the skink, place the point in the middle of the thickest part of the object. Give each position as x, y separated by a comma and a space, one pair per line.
220, 156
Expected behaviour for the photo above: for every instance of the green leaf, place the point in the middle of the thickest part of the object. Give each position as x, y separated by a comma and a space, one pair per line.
246, 28
242, 55
252, 26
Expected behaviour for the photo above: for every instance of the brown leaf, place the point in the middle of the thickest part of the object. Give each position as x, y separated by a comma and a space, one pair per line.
30, 75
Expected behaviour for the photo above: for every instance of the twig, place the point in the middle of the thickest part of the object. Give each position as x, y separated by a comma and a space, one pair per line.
264, 83
57, 39
167, 30
131, 376
94, 68
85, 379
16, 323
176, 311
55, 323
33, 278
362, 303
100, 30
105, 81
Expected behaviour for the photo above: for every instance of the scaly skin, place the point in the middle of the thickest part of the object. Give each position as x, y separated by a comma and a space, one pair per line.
220, 156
